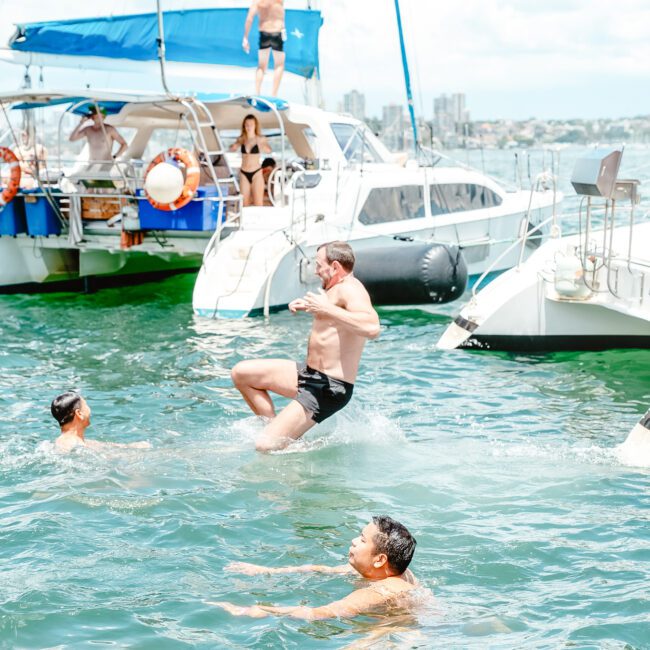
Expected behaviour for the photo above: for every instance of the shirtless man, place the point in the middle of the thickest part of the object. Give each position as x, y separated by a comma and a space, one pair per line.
72, 413
272, 37
31, 155
101, 137
381, 555
343, 319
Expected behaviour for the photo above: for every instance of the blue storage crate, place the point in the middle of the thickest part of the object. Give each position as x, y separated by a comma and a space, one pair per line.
196, 215
12, 217
40, 216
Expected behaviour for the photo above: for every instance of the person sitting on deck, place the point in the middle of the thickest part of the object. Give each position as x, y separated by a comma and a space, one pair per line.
268, 166
251, 143
381, 555
72, 413
32, 156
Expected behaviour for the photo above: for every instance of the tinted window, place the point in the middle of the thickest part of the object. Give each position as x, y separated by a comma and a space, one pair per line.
458, 197
393, 204
354, 144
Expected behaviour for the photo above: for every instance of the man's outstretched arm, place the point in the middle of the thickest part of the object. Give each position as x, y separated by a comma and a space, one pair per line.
362, 601
255, 569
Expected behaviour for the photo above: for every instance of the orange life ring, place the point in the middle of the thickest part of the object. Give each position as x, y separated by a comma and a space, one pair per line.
192, 175
10, 191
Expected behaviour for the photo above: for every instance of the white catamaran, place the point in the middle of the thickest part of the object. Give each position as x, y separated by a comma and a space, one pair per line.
590, 290
334, 179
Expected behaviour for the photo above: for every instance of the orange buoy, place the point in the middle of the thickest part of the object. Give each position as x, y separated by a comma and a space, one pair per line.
192, 175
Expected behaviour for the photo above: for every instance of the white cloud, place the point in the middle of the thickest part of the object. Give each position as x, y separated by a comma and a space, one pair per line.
512, 58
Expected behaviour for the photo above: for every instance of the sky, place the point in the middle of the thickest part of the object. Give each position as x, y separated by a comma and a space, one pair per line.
513, 59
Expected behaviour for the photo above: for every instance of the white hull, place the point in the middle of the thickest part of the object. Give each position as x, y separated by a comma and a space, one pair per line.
523, 310
36, 264
260, 269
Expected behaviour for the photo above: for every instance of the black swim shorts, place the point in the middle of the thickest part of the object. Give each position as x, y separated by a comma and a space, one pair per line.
320, 394
272, 40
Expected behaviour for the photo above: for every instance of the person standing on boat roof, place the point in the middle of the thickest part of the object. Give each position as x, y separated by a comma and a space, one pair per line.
101, 137
344, 319
251, 143
272, 37
381, 555
72, 413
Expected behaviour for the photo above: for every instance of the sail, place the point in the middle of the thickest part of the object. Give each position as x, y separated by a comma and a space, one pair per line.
204, 36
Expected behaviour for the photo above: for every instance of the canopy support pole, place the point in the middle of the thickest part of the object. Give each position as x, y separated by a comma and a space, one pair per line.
161, 48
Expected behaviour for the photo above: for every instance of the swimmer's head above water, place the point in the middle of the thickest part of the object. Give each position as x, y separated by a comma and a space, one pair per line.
72, 413
384, 548
381, 554
70, 409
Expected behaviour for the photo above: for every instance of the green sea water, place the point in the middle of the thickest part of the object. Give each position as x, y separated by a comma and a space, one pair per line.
530, 533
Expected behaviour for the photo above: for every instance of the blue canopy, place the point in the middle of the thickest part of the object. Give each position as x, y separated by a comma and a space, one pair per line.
42, 99
108, 107
209, 36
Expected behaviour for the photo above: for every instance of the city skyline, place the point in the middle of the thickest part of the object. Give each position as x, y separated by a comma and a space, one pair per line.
451, 126
512, 59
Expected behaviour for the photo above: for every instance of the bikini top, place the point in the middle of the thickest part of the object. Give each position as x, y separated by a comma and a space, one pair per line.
254, 149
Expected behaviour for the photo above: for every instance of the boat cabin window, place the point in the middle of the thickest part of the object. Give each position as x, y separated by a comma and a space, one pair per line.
354, 143
459, 197
385, 204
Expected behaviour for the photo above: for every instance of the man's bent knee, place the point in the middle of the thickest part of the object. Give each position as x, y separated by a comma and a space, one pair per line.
237, 374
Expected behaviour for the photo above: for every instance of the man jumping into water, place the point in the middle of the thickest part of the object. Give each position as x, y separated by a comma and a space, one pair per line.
381, 555
343, 319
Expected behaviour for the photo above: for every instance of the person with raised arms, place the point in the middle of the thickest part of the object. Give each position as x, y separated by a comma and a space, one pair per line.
381, 555
72, 413
343, 320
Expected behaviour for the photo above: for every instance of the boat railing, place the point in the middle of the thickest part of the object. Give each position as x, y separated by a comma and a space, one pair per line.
216, 238
519, 242
594, 257
526, 230
6, 136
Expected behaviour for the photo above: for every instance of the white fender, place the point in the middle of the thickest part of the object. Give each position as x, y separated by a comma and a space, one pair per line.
635, 451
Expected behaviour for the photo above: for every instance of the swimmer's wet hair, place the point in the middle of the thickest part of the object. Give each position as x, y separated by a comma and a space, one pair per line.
64, 406
395, 541
341, 252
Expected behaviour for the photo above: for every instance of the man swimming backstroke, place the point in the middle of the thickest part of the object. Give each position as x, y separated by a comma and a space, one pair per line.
343, 320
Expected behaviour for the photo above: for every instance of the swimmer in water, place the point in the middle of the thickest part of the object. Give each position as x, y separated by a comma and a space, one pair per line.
381, 555
343, 320
72, 413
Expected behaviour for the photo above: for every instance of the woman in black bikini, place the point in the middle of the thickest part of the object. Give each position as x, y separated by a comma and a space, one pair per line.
252, 143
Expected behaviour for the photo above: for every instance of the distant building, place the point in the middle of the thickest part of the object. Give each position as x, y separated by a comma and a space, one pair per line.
393, 126
450, 117
354, 103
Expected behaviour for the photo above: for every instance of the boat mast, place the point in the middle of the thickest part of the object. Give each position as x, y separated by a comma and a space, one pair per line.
313, 89
160, 41
407, 78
